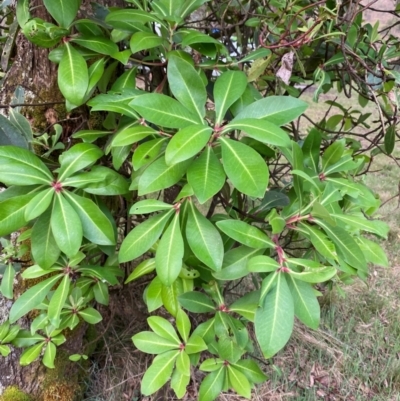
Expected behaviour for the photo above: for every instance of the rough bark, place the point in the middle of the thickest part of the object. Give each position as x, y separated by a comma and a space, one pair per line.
32, 70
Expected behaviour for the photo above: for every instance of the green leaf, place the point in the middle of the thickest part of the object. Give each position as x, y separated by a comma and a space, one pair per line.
314, 275
170, 253
97, 43
297, 163
235, 263
261, 130
129, 18
90, 315
96, 226
132, 134
245, 168
186, 143
239, 382
146, 152
5, 351
332, 154
32, 298
160, 176
12, 213
212, 385
373, 252
164, 111
152, 343
45, 250
306, 306
345, 245
49, 355
210, 365
90, 135
21, 167
163, 328
73, 75
22, 12
7, 282
149, 206
152, 295
145, 40
66, 226
112, 184
179, 382
196, 302
274, 320
187, 86
244, 233
169, 296
320, 241
183, 363
80, 156
100, 292
57, 301
113, 102
278, 110
159, 372
251, 370
262, 264
206, 175
246, 305
389, 140
145, 267
12, 134
311, 148
204, 239
143, 236
31, 353
39, 204
63, 12
372, 226
183, 324
228, 88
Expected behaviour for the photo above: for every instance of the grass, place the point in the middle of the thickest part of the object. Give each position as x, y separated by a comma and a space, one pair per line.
355, 354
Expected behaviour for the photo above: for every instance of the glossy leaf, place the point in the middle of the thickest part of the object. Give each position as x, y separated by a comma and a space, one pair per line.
49, 355
261, 130
163, 328
90, 315
66, 226
95, 224
39, 204
142, 237
80, 156
57, 301
7, 282
132, 134
279, 110
152, 343
204, 239
196, 302
274, 320
97, 43
262, 264
170, 253
244, 233
212, 385
183, 324
149, 206
21, 167
186, 143
73, 75
316, 275
45, 250
12, 213
63, 12
160, 176
31, 298
228, 88
206, 175
146, 152
164, 111
187, 86
251, 370
159, 372
145, 40
179, 382
244, 167
239, 382
306, 306
30, 354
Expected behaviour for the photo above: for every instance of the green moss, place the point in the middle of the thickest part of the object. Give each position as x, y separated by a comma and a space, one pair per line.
13, 393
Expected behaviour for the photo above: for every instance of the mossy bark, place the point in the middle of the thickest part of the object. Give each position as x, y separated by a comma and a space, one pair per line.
32, 70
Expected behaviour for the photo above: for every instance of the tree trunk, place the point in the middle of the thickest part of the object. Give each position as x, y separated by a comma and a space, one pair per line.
32, 70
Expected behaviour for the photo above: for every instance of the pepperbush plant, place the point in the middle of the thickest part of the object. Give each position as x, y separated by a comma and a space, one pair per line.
256, 206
